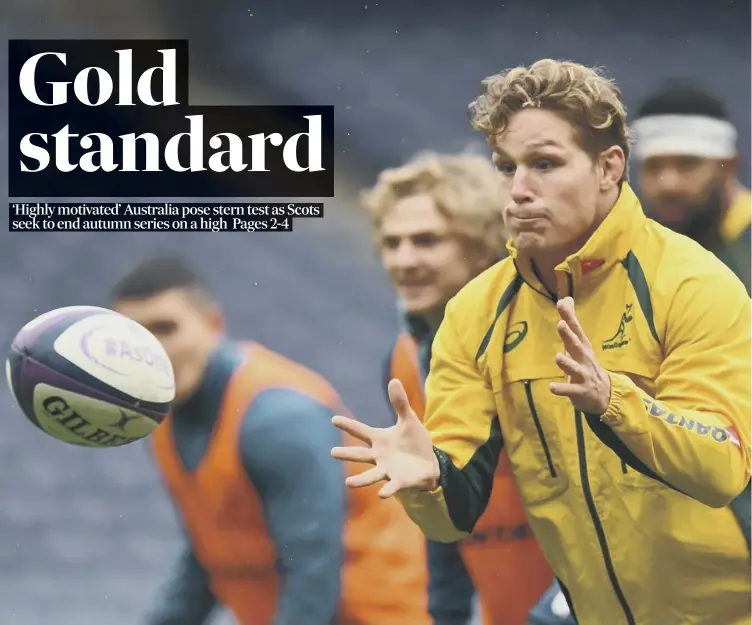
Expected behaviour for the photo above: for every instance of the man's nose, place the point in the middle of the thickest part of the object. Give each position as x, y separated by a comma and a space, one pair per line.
521, 191
669, 180
405, 255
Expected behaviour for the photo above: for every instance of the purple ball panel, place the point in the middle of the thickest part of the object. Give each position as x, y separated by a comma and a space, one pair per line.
24, 398
33, 373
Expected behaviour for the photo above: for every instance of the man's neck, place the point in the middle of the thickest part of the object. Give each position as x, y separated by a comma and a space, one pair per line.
545, 263
425, 324
435, 317
213, 355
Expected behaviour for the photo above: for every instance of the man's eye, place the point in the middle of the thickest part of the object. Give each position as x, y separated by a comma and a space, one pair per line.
545, 164
426, 240
506, 168
163, 328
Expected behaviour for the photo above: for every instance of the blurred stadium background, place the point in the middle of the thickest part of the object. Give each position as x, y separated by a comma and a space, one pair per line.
85, 535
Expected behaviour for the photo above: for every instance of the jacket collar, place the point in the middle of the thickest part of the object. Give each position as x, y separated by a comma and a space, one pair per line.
737, 217
608, 245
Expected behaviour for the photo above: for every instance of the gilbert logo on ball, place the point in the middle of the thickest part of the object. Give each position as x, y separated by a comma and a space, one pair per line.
89, 376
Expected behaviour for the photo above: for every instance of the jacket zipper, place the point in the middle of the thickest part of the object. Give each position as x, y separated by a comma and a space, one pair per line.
623, 467
600, 533
539, 428
590, 502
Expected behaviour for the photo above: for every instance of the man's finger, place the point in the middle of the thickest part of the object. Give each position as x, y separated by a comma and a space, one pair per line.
564, 389
354, 454
367, 478
566, 312
359, 430
568, 365
389, 489
398, 398
572, 342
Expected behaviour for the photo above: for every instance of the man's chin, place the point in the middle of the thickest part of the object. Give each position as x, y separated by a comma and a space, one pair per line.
420, 310
420, 307
184, 392
529, 242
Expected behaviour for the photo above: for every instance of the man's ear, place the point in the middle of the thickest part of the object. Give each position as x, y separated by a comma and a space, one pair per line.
216, 318
612, 163
730, 167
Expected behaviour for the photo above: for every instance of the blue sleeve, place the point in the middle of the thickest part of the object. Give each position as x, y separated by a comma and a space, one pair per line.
450, 589
286, 447
186, 598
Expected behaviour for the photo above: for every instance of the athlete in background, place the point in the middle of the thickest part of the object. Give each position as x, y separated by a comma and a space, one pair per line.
688, 164
437, 223
271, 532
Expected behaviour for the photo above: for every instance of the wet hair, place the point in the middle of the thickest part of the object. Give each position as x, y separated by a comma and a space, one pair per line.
583, 96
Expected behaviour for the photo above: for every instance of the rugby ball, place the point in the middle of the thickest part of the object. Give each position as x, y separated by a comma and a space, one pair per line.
90, 376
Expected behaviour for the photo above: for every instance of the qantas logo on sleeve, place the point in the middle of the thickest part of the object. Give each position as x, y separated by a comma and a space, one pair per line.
720, 435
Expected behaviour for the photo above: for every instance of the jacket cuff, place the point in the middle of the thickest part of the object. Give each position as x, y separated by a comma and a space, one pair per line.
620, 386
420, 498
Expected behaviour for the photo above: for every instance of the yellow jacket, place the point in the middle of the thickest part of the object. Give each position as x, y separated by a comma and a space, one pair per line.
735, 249
632, 510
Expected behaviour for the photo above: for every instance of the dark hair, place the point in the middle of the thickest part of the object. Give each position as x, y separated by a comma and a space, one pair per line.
683, 97
155, 275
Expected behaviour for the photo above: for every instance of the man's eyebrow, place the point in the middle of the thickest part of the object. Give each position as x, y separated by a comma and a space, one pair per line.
534, 145
546, 143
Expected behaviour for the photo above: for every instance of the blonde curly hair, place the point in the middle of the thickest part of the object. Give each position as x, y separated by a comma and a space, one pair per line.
464, 186
583, 96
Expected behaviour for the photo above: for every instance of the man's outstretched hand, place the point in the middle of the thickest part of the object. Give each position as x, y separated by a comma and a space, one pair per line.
401, 455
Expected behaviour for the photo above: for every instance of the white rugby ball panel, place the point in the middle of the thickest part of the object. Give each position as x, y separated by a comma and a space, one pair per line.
120, 353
